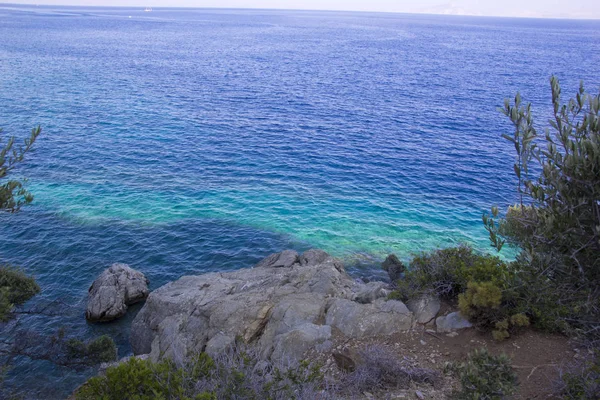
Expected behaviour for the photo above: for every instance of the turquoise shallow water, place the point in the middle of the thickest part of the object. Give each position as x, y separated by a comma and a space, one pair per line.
183, 141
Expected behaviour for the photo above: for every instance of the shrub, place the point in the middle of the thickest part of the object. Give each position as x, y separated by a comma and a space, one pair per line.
481, 303
484, 286
141, 379
485, 305
519, 320
233, 375
557, 221
582, 381
134, 379
15, 289
448, 272
380, 369
241, 374
479, 295
485, 377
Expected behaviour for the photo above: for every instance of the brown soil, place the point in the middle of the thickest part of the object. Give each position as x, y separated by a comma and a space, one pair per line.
536, 357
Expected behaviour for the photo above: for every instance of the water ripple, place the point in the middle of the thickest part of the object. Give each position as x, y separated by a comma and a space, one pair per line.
202, 140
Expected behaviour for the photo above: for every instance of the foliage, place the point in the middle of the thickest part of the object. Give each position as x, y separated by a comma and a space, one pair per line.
479, 295
135, 379
486, 288
233, 375
448, 272
487, 307
557, 223
481, 302
15, 289
102, 349
13, 194
99, 350
380, 368
485, 377
582, 381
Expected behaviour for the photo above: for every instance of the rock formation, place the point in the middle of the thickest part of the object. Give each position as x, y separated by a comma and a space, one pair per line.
394, 267
115, 289
287, 304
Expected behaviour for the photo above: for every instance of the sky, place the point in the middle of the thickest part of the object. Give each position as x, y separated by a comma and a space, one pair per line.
507, 8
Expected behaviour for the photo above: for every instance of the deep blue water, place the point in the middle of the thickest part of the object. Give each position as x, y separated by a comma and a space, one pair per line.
184, 141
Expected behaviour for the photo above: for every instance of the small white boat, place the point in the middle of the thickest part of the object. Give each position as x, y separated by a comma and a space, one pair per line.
148, 9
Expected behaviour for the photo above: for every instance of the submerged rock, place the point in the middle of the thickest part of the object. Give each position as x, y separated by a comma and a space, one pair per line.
285, 259
285, 305
115, 289
394, 267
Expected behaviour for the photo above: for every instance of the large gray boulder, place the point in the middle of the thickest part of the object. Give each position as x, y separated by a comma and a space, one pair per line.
452, 322
425, 308
281, 305
371, 292
380, 318
293, 344
115, 289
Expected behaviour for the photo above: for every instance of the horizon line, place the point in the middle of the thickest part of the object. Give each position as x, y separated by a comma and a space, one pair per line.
2, 4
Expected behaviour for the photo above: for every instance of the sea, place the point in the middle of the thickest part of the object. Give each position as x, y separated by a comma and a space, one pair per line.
181, 141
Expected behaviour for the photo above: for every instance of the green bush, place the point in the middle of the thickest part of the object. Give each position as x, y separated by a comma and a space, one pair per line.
234, 375
556, 224
139, 379
481, 303
479, 295
135, 379
485, 377
485, 287
448, 272
582, 381
15, 289
487, 307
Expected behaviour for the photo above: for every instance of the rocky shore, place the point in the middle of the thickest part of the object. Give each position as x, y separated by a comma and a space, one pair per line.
294, 306
286, 305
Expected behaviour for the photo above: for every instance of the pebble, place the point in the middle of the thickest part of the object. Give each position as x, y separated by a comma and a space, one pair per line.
420, 395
